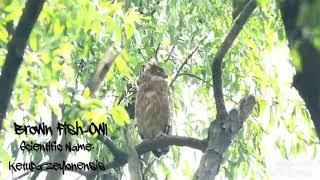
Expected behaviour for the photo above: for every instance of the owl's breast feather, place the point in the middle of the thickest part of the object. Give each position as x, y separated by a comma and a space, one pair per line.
149, 94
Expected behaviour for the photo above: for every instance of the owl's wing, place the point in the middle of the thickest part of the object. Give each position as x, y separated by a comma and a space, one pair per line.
171, 112
148, 107
166, 113
140, 107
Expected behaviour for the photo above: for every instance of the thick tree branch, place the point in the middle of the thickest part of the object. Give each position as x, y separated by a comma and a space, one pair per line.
16, 48
224, 47
149, 145
28, 172
220, 135
222, 131
228, 97
163, 141
116, 152
133, 157
306, 80
93, 84
102, 69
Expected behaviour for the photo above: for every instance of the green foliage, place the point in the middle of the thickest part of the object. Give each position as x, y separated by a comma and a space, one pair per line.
120, 115
70, 38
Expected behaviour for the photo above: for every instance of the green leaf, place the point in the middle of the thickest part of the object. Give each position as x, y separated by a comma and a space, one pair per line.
95, 115
4, 157
117, 34
86, 93
91, 103
291, 124
296, 60
121, 65
132, 17
128, 30
120, 115
57, 29
33, 43
3, 34
110, 74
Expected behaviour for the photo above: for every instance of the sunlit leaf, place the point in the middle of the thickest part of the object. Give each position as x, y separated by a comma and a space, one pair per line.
3, 34
120, 115
129, 30
86, 93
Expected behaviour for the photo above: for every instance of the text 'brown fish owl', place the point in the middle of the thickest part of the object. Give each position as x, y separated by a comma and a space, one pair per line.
153, 106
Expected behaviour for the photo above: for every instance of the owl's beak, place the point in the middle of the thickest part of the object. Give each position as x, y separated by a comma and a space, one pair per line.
165, 76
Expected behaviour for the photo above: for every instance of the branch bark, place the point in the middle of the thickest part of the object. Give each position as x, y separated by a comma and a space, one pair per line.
93, 84
220, 135
16, 48
306, 80
133, 157
102, 69
222, 131
149, 145
163, 141
224, 47
116, 152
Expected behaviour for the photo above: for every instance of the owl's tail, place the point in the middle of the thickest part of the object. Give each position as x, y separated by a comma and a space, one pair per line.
158, 152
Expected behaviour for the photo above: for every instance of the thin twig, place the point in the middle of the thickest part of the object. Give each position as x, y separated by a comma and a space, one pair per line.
197, 77
171, 51
144, 58
228, 97
255, 119
148, 168
156, 53
207, 82
186, 60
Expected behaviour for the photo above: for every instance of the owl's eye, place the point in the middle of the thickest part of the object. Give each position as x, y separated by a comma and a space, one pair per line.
159, 70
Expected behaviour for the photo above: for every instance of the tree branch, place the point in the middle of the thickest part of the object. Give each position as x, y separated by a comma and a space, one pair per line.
116, 152
144, 58
305, 80
102, 69
163, 141
37, 172
223, 130
186, 60
156, 53
196, 77
149, 145
16, 48
228, 97
171, 51
224, 47
133, 157
220, 135
93, 84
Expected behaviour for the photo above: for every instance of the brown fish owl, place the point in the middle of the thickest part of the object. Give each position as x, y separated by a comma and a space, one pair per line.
153, 106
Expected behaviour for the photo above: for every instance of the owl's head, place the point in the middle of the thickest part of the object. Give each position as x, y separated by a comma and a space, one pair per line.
154, 70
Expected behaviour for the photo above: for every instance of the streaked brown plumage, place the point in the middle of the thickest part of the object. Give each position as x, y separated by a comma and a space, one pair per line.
153, 106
